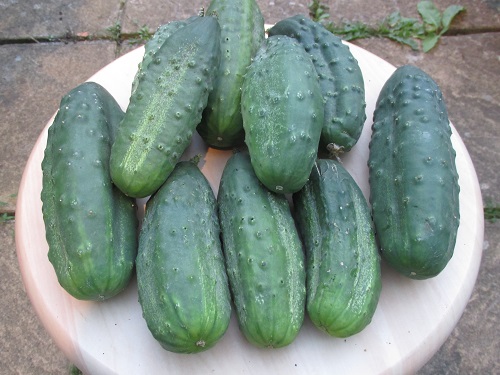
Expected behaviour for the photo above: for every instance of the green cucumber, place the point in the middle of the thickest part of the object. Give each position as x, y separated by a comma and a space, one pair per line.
153, 45
282, 108
242, 33
181, 276
342, 258
91, 227
341, 81
414, 189
264, 257
165, 108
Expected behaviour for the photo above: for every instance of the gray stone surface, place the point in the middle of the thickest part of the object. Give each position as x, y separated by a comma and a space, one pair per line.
473, 346
57, 18
27, 348
34, 76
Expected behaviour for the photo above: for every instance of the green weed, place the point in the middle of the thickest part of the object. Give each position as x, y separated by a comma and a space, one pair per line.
413, 32
491, 212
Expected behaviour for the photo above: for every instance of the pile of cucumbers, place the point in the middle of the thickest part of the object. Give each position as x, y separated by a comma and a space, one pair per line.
290, 232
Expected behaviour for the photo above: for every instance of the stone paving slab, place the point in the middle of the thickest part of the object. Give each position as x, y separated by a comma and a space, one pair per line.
480, 15
27, 348
56, 18
34, 78
474, 344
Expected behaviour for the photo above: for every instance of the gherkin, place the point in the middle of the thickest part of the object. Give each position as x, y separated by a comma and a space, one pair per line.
264, 259
414, 190
154, 44
242, 33
165, 108
90, 225
342, 258
282, 109
340, 77
181, 277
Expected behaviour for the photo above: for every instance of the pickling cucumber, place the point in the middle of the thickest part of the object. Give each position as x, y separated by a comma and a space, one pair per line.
264, 258
414, 190
165, 108
242, 33
90, 225
153, 45
282, 108
181, 276
342, 258
341, 80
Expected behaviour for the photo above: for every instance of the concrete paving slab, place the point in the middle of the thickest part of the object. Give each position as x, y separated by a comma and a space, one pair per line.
480, 15
474, 344
138, 13
27, 348
56, 18
34, 78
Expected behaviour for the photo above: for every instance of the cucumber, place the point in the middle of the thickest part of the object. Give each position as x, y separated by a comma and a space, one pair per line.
181, 276
264, 258
342, 258
414, 190
282, 108
242, 33
153, 45
91, 226
165, 108
341, 81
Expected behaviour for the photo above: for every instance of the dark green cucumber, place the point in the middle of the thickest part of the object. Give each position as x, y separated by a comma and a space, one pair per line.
153, 45
282, 110
341, 81
165, 108
91, 227
242, 33
342, 258
413, 178
264, 257
181, 275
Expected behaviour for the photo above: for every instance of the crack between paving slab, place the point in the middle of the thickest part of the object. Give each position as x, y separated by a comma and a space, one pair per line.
69, 38
124, 37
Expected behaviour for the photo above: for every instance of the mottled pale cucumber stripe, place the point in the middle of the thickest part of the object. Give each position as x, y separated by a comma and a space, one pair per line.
153, 118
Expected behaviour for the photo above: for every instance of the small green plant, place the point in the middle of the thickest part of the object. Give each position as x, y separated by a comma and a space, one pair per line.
6, 216
409, 31
73, 370
115, 31
142, 36
491, 212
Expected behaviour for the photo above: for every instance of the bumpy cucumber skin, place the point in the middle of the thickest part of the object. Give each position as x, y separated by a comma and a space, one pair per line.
181, 276
342, 258
242, 33
165, 108
91, 226
341, 81
282, 110
414, 189
153, 45
264, 256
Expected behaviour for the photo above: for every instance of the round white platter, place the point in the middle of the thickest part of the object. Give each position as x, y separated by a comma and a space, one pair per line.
412, 320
